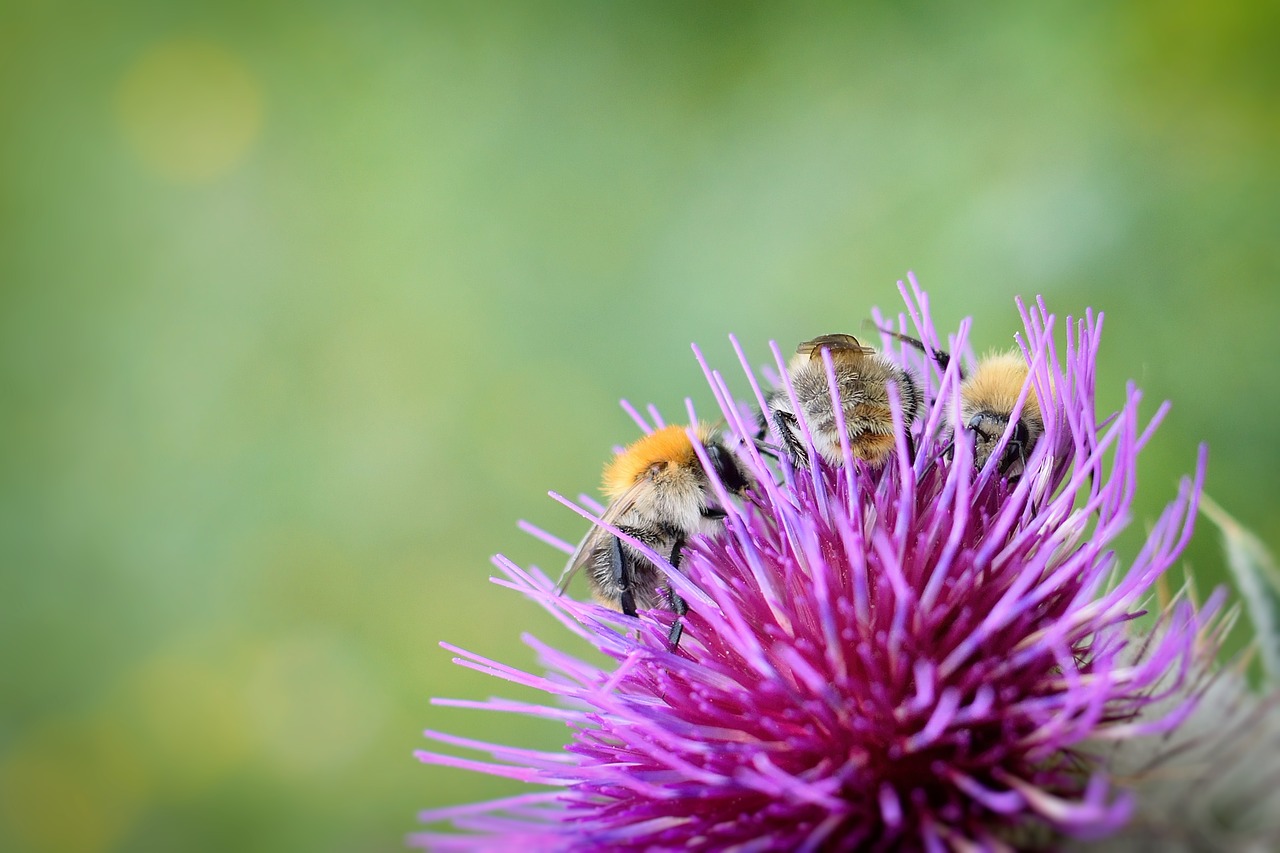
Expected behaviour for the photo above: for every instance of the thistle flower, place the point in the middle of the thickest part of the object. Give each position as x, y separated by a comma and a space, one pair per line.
919, 656
1211, 784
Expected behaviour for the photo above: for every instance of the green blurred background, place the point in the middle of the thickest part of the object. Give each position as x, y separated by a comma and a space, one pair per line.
304, 305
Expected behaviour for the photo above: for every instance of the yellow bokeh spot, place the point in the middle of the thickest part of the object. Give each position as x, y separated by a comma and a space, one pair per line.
314, 709
190, 109
71, 785
192, 728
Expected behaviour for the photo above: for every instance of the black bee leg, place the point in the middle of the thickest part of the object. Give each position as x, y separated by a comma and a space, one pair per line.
788, 426
761, 438
1013, 455
762, 426
1016, 449
678, 605
620, 563
676, 547
947, 452
677, 627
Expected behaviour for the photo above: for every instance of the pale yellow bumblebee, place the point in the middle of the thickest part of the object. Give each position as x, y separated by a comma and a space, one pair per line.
988, 396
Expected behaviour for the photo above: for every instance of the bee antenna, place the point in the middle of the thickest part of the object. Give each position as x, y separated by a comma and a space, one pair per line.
940, 358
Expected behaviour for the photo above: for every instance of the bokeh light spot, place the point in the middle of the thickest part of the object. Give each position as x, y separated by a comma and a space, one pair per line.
190, 110
71, 786
313, 708
192, 722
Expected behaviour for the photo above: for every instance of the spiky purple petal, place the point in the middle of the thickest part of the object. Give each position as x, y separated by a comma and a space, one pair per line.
903, 658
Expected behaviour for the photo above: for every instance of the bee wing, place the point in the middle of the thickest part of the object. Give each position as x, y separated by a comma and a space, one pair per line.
846, 343
598, 536
589, 544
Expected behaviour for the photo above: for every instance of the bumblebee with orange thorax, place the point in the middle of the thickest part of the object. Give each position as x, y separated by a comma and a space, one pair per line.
861, 377
658, 495
988, 397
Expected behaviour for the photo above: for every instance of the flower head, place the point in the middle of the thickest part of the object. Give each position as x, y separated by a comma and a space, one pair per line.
1211, 783
911, 656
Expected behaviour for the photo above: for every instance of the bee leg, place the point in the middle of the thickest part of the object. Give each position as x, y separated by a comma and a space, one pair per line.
678, 605
947, 452
677, 629
620, 564
760, 439
766, 448
1016, 450
1014, 460
762, 426
787, 426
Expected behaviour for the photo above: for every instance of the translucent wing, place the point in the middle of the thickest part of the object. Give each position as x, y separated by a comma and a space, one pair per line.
598, 536
845, 343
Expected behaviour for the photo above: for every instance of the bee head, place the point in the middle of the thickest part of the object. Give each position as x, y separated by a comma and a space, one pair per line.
987, 428
727, 468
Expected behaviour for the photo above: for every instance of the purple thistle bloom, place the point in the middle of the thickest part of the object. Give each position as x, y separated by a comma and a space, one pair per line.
1210, 784
921, 656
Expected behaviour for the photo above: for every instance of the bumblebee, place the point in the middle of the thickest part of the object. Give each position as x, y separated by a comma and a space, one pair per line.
988, 396
861, 379
659, 495
987, 399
